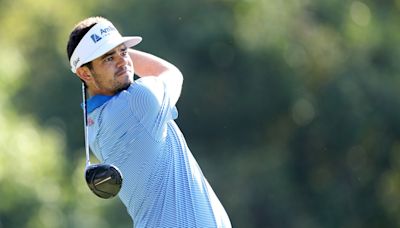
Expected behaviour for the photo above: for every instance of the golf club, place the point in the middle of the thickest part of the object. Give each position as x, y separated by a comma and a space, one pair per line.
104, 180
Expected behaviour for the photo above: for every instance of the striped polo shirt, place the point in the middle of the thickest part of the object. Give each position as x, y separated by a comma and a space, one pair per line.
163, 185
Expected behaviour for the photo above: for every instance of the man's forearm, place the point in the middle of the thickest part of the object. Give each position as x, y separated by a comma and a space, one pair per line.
146, 64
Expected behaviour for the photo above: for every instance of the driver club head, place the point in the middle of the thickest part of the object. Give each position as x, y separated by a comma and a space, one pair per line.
104, 180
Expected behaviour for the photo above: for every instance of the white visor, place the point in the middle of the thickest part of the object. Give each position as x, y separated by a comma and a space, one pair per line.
97, 41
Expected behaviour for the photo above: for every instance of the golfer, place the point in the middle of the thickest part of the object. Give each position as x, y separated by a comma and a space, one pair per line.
131, 126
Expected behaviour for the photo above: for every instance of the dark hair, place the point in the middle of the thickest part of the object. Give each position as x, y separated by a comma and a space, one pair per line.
79, 32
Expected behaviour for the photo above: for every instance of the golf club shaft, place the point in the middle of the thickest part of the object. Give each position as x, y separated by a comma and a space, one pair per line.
84, 103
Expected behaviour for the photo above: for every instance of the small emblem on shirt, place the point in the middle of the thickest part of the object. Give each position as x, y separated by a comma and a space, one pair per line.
90, 122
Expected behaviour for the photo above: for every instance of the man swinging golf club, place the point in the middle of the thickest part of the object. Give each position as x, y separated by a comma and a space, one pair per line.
130, 128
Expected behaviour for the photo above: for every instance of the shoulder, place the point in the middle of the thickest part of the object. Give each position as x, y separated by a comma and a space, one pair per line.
147, 88
151, 83
144, 96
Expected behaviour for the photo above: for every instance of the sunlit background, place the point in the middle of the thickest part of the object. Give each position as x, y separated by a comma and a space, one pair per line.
291, 107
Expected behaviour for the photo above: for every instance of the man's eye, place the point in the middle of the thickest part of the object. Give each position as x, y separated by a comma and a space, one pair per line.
108, 59
124, 53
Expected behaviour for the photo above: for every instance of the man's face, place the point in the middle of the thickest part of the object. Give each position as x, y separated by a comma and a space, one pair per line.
113, 71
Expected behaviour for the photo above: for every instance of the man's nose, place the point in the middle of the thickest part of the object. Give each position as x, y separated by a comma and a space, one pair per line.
122, 60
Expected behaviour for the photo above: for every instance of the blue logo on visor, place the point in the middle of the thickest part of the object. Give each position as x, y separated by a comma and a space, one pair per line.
95, 38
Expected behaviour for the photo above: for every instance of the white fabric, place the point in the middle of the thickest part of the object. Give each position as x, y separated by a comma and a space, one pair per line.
100, 39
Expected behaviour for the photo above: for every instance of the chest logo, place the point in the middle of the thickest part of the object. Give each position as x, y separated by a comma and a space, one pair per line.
90, 121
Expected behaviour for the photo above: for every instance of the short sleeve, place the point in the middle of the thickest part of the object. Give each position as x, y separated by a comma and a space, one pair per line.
152, 104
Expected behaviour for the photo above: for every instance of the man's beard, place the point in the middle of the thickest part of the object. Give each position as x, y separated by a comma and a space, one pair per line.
117, 87
123, 88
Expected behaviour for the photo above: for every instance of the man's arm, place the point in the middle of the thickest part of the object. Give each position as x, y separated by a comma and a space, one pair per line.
146, 64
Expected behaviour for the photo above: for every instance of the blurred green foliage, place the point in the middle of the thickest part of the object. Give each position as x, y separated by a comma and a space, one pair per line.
290, 107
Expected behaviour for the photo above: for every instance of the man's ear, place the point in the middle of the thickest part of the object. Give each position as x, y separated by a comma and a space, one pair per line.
84, 73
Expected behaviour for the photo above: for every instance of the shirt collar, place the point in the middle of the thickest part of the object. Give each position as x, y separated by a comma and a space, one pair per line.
97, 101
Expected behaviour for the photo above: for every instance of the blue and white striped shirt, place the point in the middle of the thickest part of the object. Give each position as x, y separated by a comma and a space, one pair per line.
163, 185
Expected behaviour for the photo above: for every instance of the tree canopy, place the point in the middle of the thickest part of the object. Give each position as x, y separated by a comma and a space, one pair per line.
290, 107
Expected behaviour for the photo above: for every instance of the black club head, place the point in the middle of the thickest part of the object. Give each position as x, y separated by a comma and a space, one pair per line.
104, 180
